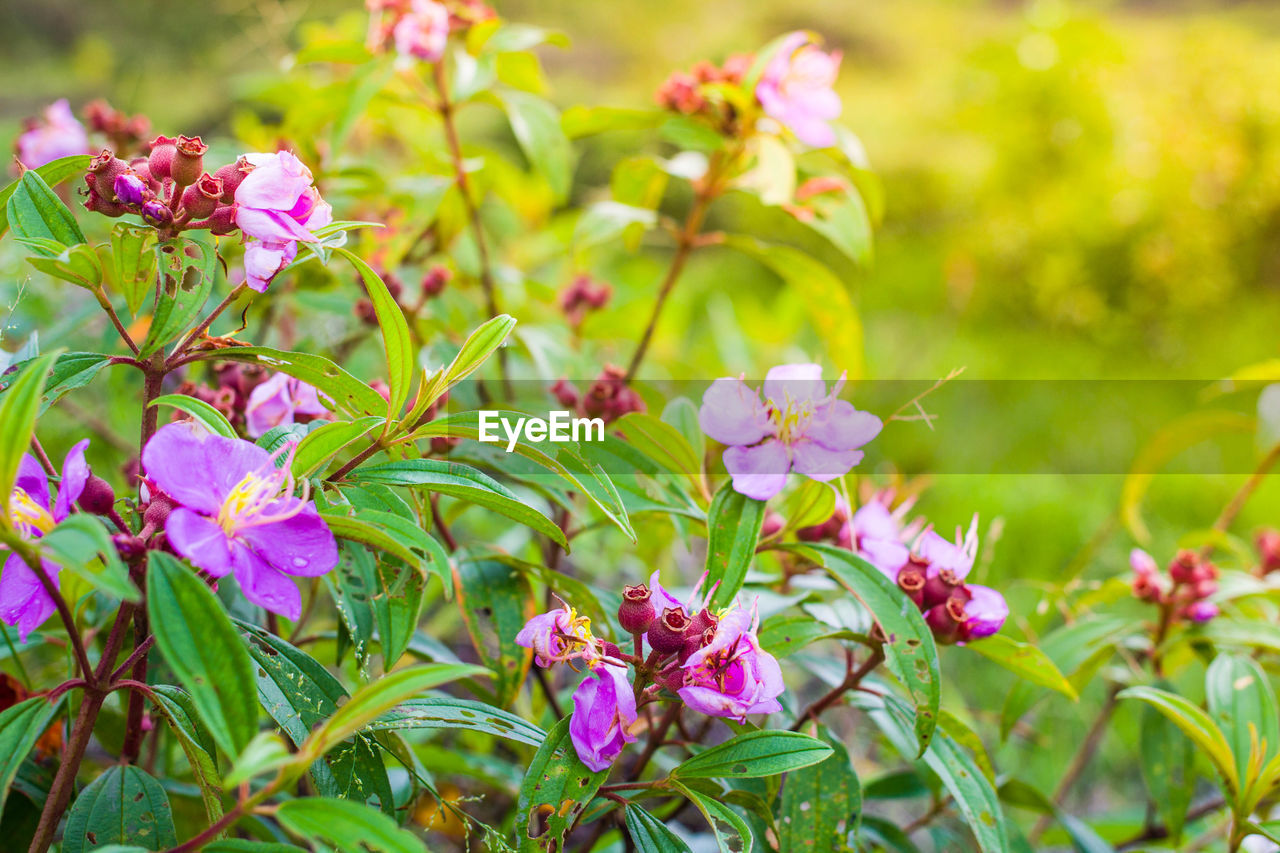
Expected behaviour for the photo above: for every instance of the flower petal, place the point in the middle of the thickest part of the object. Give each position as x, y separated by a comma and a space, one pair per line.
758, 472
732, 413
264, 586
75, 473
32, 480
197, 468
816, 461
795, 382
840, 426
985, 612
200, 540
23, 599
300, 545
272, 226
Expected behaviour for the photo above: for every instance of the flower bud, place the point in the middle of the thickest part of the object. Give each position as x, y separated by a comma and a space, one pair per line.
188, 160
98, 497
773, 524
666, 635
433, 283
565, 394
157, 512
160, 161
96, 203
610, 650
945, 620
231, 175
1183, 567
107, 167
1142, 563
201, 198
1268, 543
636, 612
1145, 587
1201, 611
131, 190
223, 219
128, 546
365, 312
157, 212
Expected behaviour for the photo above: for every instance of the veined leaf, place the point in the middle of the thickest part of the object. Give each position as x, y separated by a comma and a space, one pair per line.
557, 787
124, 805
1195, 724
758, 753
203, 413
733, 529
1025, 660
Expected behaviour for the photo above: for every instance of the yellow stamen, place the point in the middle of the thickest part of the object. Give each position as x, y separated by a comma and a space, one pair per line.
247, 503
27, 515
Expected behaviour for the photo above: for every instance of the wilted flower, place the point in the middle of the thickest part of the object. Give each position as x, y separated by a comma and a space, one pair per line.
276, 206
732, 676
604, 710
559, 636
237, 513
796, 89
797, 426
55, 134
278, 402
24, 602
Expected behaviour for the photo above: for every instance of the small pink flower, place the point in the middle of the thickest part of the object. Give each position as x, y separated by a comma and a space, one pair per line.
421, 32
560, 636
276, 206
55, 134
732, 676
796, 90
278, 402
604, 710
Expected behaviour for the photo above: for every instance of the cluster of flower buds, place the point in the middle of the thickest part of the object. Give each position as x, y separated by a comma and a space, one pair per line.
234, 384
169, 187
583, 294
694, 92
124, 133
711, 662
417, 30
1268, 543
608, 398
1185, 589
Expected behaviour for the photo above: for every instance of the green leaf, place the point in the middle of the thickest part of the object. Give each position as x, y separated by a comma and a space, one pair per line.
188, 264
77, 264
731, 832
196, 742
556, 788
1024, 660
18, 409
204, 650
124, 805
346, 825
398, 605
536, 125
348, 393
580, 121
659, 441
446, 712
53, 173
72, 370
842, 219
396, 340
1195, 724
1243, 706
733, 529
34, 211
831, 311
82, 545
320, 445
21, 725
475, 350
651, 835
819, 803
1018, 793
133, 261
462, 482
759, 753
203, 413
496, 601
909, 648
1168, 767
786, 634
606, 221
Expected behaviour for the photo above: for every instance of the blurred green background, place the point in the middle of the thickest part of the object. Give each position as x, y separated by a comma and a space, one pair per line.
1086, 190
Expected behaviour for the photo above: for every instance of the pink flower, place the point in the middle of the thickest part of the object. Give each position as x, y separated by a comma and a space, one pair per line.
604, 710
559, 636
797, 426
24, 602
732, 676
237, 513
56, 134
276, 206
421, 32
796, 90
278, 401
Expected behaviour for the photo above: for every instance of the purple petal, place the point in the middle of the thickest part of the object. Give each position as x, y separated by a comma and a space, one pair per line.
886, 555
874, 520
840, 426
197, 468
75, 473
814, 460
32, 480
276, 182
732, 413
200, 540
796, 382
23, 599
271, 226
662, 600
758, 472
265, 586
985, 613
300, 545
942, 554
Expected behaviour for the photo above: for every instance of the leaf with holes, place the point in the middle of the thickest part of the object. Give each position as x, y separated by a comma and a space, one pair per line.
496, 602
557, 788
189, 264
446, 712
821, 803
124, 805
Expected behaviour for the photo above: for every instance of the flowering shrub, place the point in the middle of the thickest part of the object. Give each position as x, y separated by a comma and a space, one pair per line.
308, 603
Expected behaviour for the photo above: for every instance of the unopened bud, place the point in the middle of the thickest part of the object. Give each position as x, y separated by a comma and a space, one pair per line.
365, 312
130, 189
157, 512
433, 283
1201, 611
98, 497
1183, 567
157, 212
231, 175
223, 219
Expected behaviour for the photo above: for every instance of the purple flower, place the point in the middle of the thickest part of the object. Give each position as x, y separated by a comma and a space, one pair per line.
797, 426
278, 401
24, 602
984, 613
604, 710
559, 636
1143, 563
796, 90
130, 189
1201, 611
56, 134
237, 513
276, 206
421, 32
875, 534
733, 676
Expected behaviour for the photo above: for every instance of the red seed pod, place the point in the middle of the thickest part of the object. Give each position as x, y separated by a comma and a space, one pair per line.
938, 586
433, 283
946, 620
565, 394
666, 635
636, 612
160, 162
223, 219
106, 167
96, 203
231, 176
201, 198
188, 160
1183, 568
911, 581
702, 621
